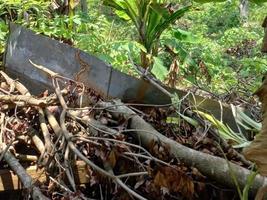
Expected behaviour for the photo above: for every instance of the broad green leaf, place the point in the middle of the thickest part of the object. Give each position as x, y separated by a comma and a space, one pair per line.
117, 4
106, 58
167, 22
153, 19
159, 70
122, 14
158, 25
128, 7
258, 1
244, 120
185, 36
161, 10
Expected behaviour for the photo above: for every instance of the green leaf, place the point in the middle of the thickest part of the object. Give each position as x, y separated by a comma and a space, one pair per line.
172, 18
106, 58
161, 10
185, 36
132, 46
219, 1
242, 145
173, 120
77, 21
224, 130
123, 15
258, 1
190, 120
249, 182
159, 70
209, 1
244, 120
125, 8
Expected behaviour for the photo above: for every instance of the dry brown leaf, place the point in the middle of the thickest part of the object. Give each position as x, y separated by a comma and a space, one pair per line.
175, 181
112, 158
257, 151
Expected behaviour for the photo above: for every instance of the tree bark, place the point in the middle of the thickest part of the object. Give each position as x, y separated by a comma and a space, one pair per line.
244, 10
84, 6
264, 42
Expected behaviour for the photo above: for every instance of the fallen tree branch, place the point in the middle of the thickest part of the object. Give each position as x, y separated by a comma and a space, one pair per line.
151, 79
214, 167
24, 177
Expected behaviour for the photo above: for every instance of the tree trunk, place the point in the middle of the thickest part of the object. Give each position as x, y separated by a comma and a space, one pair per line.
264, 42
84, 6
244, 10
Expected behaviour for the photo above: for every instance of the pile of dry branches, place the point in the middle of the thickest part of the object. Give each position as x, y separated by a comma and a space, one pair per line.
86, 148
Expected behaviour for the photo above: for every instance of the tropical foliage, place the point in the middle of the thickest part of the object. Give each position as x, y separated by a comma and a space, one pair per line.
202, 45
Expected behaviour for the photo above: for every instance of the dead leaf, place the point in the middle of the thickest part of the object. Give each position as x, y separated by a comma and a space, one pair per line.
175, 181
112, 158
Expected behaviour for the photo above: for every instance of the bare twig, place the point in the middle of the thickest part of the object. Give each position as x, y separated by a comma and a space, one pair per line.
26, 100
68, 136
24, 157
20, 87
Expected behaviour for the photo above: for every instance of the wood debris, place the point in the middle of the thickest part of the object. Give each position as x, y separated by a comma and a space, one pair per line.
60, 149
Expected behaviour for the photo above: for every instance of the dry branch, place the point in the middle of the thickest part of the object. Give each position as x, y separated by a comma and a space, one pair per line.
191, 114
20, 87
34, 135
26, 100
72, 147
214, 167
72, 129
24, 177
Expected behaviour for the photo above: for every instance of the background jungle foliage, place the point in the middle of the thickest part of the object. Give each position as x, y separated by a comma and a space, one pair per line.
211, 46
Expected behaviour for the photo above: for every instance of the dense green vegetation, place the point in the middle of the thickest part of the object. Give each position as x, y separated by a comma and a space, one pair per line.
208, 47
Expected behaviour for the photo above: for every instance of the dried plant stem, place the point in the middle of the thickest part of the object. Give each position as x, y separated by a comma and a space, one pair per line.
32, 133
26, 100
20, 87
71, 145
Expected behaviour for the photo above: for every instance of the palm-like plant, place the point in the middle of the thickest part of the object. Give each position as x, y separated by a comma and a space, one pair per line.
150, 18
